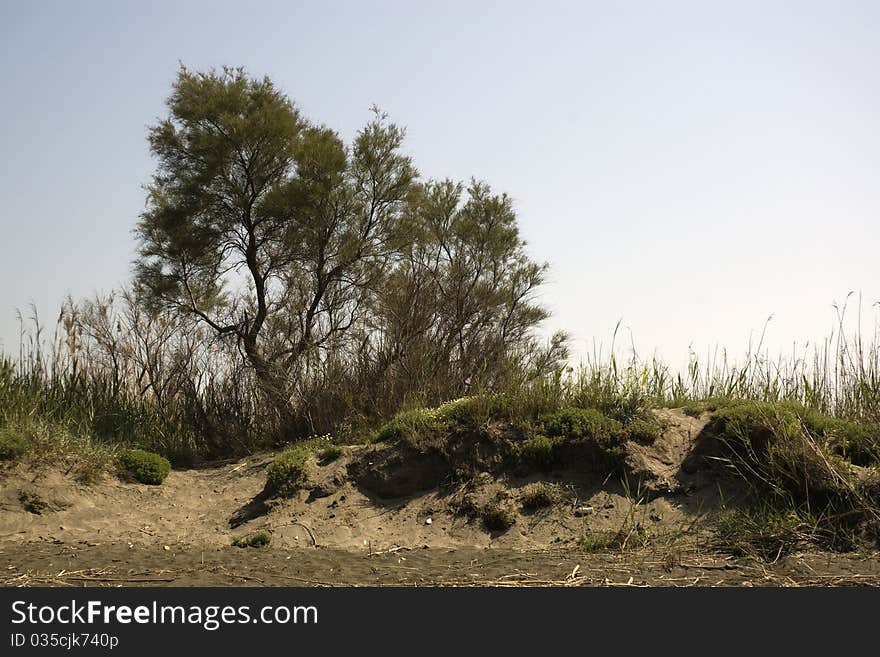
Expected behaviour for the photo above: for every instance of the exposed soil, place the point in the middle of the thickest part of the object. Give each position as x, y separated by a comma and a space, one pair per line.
646, 526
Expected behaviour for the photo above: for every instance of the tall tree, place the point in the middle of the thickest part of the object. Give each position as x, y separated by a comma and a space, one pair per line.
264, 227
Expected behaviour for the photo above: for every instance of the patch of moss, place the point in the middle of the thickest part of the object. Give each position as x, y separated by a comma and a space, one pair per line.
145, 467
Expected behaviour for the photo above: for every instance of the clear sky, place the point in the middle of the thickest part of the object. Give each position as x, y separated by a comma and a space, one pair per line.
688, 167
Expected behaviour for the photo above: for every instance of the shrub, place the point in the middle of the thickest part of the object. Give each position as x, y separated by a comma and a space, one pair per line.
329, 454
644, 431
257, 539
496, 517
288, 472
419, 428
12, 444
540, 496
145, 467
539, 451
571, 422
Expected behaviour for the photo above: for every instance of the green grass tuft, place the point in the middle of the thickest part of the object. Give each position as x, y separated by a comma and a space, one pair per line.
572, 422
289, 471
644, 431
496, 517
12, 444
540, 496
329, 454
145, 467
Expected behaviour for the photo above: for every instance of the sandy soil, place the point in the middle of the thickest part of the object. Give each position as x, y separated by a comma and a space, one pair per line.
337, 533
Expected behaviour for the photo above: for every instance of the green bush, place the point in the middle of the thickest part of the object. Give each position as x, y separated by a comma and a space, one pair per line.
644, 431
257, 539
496, 517
419, 428
693, 408
329, 454
540, 496
289, 471
539, 451
750, 421
145, 467
571, 422
12, 444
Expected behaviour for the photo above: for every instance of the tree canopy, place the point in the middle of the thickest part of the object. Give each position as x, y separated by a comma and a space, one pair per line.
316, 255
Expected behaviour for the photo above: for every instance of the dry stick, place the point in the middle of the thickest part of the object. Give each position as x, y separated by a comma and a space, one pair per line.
304, 526
308, 529
393, 550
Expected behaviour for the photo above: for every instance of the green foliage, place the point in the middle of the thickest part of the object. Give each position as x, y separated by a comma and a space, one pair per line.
539, 451
644, 430
755, 422
145, 467
769, 529
329, 454
419, 428
289, 471
257, 539
12, 444
540, 496
496, 517
570, 422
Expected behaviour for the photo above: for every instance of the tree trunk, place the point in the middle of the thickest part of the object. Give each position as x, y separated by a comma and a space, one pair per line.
274, 387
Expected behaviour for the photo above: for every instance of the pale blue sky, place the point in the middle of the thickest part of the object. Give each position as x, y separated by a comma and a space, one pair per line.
689, 167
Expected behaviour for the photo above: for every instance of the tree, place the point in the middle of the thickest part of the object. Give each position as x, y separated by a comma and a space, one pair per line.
327, 263
263, 226
457, 307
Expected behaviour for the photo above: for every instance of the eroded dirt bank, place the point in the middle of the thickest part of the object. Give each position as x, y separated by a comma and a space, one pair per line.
647, 527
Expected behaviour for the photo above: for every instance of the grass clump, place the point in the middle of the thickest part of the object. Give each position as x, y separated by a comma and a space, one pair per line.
257, 539
803, 489
572, 422
419, 428
540, 496
289, 471
584, 434
329, 454
32, 503
644, 430
12, 444
539, 451
769, 531
497, 517
145, 467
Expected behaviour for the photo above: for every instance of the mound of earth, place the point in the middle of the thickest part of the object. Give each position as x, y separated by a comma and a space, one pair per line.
373, 502
372, 497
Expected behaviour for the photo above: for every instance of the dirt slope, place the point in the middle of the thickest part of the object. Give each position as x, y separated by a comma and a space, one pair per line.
56, 531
